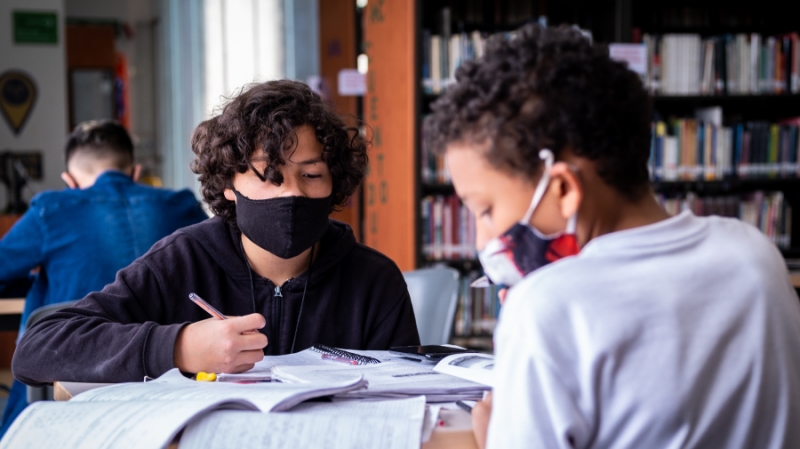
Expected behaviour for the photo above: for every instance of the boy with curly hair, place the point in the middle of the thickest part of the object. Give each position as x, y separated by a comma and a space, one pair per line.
623, 327
272, 165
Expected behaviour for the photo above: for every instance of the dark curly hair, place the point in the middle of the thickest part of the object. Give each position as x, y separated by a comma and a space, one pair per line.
549, 88
265, 116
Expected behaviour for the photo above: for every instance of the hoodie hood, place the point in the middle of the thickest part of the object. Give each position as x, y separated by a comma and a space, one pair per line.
222, 242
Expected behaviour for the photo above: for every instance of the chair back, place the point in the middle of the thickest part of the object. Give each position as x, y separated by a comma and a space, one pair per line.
43, 311
434, 295
44, 393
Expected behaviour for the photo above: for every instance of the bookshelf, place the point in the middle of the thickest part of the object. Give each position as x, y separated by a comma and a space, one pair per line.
608, 21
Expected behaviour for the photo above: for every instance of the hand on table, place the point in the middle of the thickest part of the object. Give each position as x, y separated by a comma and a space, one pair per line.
480, 420
221, 346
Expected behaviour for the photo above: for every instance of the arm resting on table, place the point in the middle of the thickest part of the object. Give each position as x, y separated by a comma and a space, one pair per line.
109, 336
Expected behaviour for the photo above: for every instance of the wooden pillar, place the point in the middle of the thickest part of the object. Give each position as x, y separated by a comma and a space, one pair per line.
390, 207
337, 34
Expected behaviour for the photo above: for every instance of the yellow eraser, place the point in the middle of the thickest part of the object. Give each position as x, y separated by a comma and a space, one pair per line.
205, 377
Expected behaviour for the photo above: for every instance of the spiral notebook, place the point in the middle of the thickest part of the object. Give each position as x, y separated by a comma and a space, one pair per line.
357, 358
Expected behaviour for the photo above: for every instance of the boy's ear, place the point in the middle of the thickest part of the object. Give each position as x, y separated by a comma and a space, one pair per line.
570, 191
229, 194
137, 172
69, 180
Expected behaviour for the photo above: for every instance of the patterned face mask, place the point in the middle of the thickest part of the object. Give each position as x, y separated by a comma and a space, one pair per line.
522, 249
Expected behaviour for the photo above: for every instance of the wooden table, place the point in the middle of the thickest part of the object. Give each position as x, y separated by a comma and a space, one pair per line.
455, 434
10, 316
794, 276
12, 306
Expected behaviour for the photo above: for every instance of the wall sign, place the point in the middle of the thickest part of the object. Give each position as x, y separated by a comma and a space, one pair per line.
35, 27
17, 97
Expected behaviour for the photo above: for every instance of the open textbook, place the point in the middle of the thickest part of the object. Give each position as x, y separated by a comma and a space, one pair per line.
474, 367
149, 415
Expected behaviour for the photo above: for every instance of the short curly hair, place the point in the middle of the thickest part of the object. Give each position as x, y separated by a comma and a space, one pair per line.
549, 88
265, 116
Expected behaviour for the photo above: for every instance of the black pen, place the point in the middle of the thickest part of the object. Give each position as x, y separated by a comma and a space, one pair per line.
464, 406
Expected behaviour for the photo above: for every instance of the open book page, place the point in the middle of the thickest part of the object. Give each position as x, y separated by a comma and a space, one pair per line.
406, 408
383, 424
267, 396
384, 378
78, 425
474, 367
263, 369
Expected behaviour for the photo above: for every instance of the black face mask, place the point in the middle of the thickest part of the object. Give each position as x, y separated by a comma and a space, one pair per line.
284, 226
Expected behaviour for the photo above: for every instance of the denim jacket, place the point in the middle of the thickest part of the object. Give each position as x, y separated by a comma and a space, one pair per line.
81, 238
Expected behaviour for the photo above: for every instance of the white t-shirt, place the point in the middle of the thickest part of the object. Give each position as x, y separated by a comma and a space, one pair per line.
681, 334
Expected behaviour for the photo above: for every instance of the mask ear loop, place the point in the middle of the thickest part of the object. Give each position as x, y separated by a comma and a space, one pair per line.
547, 156
572, 223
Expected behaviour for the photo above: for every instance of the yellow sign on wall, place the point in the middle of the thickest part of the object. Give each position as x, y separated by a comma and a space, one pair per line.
17, 98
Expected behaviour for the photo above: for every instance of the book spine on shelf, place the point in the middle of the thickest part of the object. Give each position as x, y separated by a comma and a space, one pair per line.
691, 149
767, 211
755, 47
731, 64
436, 65
795, 75
426, 62
425, 216
449, 227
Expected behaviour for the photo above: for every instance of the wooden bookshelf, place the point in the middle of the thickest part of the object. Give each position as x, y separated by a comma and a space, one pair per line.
393, 39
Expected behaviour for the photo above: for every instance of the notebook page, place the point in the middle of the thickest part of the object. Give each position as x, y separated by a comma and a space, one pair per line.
268, 396
79, 425
383, 424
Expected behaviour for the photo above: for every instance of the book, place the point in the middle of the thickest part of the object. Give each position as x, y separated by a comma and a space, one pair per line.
477, 309
730, 64
153, 424
767, 211
152, 413
448, 229
702, 148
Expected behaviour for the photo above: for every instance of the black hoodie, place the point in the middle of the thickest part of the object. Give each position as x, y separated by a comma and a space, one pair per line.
356, 298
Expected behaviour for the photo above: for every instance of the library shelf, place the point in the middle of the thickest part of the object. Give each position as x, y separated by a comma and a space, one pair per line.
476, 342
729, 185
459, 264
397, 99
763, 106
437, 189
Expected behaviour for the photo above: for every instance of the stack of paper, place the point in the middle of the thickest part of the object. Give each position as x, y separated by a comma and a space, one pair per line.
388, 379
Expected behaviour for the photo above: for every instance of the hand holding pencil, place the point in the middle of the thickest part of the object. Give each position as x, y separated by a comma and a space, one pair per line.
220, 344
